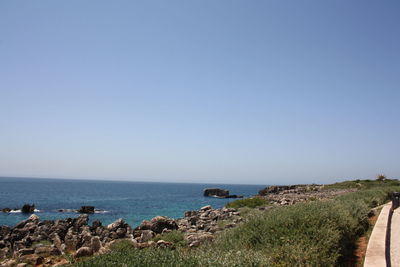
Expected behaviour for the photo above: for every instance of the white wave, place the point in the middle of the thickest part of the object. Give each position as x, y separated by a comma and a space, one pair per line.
15, 211
19, 211
101, 211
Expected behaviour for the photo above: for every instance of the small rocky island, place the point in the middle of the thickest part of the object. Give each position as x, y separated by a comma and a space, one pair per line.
218, 193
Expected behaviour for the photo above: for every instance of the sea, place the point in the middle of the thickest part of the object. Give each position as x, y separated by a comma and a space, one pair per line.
132, 201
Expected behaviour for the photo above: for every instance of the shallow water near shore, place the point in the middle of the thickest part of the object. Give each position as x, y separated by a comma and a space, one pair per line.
132, 201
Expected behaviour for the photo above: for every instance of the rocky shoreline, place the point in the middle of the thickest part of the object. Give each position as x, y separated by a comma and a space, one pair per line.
24, 241
44, 242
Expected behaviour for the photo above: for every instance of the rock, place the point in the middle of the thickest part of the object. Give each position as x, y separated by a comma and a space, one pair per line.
6, 210
146, 245
39, 260
47, 251
104, 250
28, 208
191, 213
218, 193
95, 224
8, 263
273, 189
195, 243
71, 242
145, 225
34, 218
119, 223
86, 239
208, 207
200, 237
95, 244
164, 244
3, 253
215, 192
86, 209
83, 252
22, 264
146, 235
121, 232
26, 251
82, 220
58, 243
160, 223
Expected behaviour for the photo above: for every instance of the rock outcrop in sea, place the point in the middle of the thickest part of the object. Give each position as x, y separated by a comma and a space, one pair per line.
218, 193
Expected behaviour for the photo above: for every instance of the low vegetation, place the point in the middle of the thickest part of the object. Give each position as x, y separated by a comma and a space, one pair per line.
247, 202
363, 184
175, 237
315, 233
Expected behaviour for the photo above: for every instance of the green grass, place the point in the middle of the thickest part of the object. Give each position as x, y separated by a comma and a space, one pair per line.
316, 233
363, 184
247, 202
175, 237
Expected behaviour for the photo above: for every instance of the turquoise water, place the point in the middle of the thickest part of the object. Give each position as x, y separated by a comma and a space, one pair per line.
132, 201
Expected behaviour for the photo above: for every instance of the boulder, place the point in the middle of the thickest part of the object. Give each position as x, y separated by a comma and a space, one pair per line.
33, 218
160, 223
71, 242
86, 209
208, 207
95, 224
191, 213
84, 252
95, 244
146, 235
119, 223
26, 251
164, 244
82, 220
28, 208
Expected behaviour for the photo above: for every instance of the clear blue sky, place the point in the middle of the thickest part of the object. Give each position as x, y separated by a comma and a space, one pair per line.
200, 91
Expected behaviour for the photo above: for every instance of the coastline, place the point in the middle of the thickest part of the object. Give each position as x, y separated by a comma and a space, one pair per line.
77, 237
